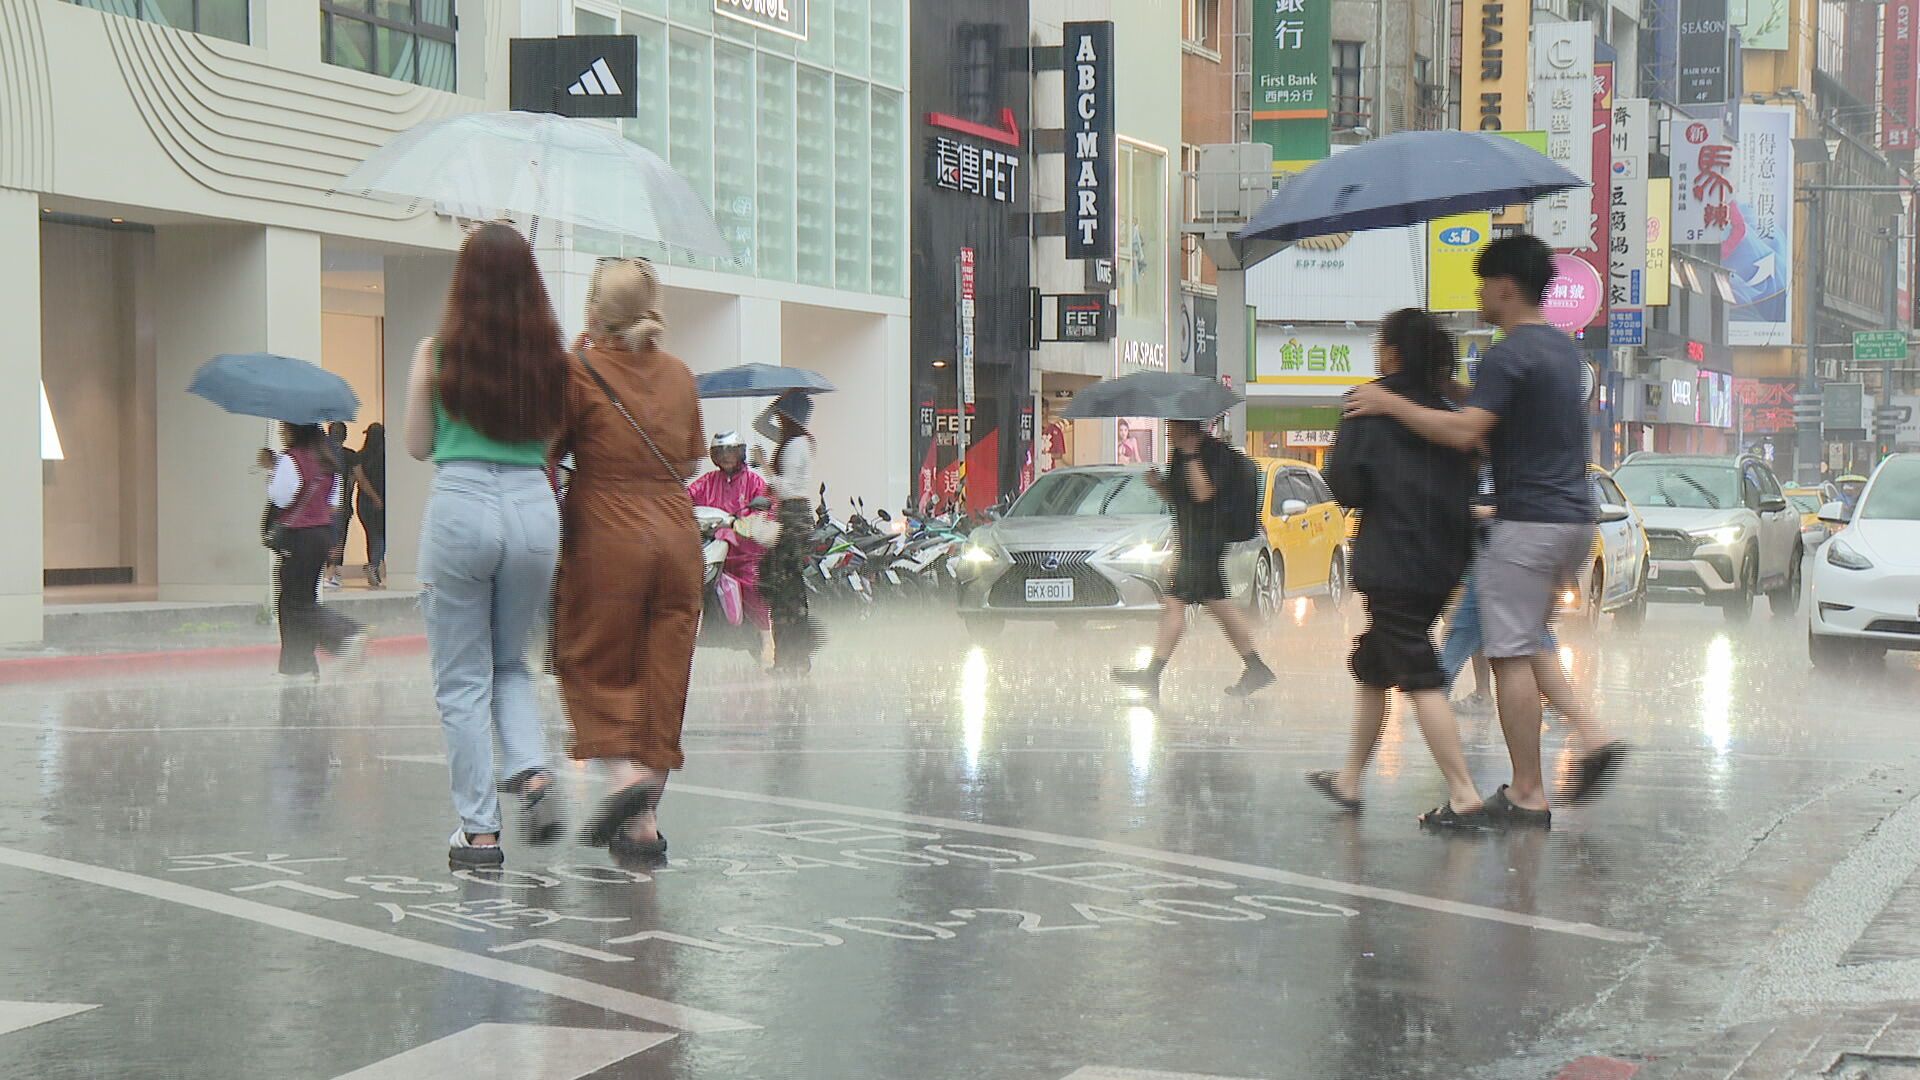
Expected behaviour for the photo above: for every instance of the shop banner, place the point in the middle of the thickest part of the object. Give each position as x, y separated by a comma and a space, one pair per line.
1599, 222
1898, 97
1758, 251
1493, 64
1453, 245
787, 17
1087, 49
1313, 361
1762, 23
1292, 91
1704, 171
1659, 241
1626, 218
1563, 108
1574, 295
1703, 52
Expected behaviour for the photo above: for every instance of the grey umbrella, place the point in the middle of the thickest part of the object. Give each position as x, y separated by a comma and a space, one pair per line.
1405, 179
275, 388
1160, 394
761, 380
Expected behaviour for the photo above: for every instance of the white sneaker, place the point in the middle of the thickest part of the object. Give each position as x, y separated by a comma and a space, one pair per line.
462, 852
330, 583
353, 652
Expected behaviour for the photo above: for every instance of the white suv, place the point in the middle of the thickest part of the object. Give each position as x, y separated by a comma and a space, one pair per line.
1720, 531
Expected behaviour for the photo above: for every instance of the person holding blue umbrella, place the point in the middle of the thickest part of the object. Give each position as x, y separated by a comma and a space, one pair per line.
305, 493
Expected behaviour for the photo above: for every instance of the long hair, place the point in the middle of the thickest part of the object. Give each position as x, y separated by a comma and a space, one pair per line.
503, 368
1427, 350
313, 439
623, 305
373, 451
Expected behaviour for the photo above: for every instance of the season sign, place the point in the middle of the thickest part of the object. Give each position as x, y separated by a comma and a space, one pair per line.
971, 170
1088, 50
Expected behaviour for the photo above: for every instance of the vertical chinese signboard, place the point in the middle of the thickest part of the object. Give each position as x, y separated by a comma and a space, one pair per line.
1292, 81
1563, 108
1898, 99
1092, 156
1593, 250
1493, 64
1659, 241
1703, 180
1703, 52
1758, 251
1627, 220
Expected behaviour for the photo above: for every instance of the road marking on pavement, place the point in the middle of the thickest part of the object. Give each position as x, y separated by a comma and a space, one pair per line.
15, 1015
522, 1051
1101, 1072
626, 1003
1197, 862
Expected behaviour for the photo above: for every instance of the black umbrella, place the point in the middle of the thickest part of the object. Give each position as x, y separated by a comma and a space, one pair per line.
1405, 179
761, 380
275, 388
1160, 394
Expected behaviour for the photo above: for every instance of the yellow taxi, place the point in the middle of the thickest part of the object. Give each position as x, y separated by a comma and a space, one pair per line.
1306, 537
1807, 502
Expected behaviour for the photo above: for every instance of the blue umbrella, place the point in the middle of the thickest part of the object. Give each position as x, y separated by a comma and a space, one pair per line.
1405, 179
276, 388
761, 380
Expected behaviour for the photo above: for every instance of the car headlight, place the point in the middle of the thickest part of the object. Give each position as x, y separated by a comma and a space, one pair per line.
977, 554
1842, 555
1724, 535
1147, 553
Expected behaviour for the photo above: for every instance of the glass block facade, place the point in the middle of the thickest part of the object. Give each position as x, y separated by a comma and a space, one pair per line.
799, 145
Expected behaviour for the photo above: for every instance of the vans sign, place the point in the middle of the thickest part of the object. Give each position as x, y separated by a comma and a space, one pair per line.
1087, 53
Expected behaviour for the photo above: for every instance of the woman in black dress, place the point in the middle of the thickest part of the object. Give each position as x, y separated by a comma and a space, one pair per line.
370, 485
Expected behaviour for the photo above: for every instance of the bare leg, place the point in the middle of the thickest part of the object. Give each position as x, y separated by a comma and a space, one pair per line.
1369, 719
1519, 699
1443, 742
1233, 620
1482, 674
1173, 623
1558, 689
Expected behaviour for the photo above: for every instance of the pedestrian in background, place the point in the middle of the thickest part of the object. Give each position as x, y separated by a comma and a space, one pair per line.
370, 481
1204, 475
782, 573
1528, 408
628, 602
1414, 501
343, 462
485, 400
304, 492
734, 487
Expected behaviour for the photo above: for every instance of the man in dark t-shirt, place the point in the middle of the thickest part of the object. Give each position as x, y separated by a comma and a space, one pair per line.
1528, 409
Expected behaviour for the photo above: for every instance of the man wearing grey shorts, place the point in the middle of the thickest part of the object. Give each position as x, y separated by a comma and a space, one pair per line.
1528, 410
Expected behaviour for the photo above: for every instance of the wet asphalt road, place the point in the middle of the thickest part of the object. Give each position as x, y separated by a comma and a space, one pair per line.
937, 859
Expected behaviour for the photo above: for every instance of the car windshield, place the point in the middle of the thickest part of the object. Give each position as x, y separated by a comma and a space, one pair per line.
1804, 501
1088, 494
1674, 483
1896, 493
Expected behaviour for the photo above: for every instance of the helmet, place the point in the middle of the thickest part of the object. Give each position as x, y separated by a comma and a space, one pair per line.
727, 440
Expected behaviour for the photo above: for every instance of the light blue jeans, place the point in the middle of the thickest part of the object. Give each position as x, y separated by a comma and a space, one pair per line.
1463, 633
487, 552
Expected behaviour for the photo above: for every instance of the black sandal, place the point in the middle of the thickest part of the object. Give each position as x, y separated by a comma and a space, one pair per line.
1500, 810
539, 812
1323, 783
621, 807
1445, 817
628, 852
1594, 772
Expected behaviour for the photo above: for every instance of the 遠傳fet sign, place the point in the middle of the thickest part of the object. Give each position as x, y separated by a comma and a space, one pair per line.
1087, 48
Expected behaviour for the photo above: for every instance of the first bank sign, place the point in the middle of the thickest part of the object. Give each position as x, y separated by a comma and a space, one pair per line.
787, 17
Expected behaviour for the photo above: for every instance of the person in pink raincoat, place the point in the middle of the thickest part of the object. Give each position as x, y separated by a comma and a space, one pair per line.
731, 487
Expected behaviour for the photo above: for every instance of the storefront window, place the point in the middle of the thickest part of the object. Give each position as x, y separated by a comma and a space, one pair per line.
1141, 262
215, 18
409, 40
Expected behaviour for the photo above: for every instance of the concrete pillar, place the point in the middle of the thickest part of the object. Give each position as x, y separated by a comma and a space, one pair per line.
21, 543
221, 289
416, 297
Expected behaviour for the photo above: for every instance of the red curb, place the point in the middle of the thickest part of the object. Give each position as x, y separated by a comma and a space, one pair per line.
1597, 1068
33, 669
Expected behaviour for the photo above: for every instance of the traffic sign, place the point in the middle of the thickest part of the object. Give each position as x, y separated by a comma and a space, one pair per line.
1880, 345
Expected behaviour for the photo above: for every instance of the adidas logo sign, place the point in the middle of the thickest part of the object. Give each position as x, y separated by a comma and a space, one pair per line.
596, 81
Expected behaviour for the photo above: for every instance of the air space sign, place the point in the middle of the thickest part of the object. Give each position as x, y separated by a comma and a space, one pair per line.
1087, 48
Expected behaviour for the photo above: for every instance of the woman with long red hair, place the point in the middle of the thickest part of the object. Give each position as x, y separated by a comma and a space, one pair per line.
485, 400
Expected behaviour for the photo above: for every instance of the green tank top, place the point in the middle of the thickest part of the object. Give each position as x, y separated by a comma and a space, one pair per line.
456, 440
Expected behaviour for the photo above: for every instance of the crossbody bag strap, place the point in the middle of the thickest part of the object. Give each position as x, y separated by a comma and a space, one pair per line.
631, 422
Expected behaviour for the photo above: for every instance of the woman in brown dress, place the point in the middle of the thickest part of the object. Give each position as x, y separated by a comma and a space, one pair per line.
627, 603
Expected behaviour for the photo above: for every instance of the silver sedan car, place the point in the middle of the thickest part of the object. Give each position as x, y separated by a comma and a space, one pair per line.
1082, 544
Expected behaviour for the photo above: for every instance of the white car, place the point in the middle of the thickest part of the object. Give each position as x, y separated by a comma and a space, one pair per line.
1866, 581
1720, 529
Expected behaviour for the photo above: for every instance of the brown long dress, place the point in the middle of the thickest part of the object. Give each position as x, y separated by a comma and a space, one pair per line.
627, 601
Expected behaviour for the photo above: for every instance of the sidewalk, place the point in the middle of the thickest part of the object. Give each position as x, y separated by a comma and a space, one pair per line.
85, 641
1878, 1043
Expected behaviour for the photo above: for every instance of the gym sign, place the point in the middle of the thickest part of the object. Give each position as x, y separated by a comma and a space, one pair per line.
787, 17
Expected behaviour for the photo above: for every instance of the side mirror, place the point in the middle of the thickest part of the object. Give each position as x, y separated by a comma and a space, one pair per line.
1834, 513
1292, 507
1613, 512
1772, 504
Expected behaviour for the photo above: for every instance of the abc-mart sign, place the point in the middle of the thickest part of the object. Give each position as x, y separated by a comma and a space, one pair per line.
787, 17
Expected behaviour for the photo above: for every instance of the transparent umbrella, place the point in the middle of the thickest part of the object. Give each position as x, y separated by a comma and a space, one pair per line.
544, 167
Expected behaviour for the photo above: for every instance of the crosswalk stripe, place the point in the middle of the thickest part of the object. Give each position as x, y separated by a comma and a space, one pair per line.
520, 1051
15, 1015
1101, 1072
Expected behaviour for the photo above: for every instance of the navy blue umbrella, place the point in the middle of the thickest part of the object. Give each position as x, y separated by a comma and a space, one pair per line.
761, 380
276, 388
1405, 179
